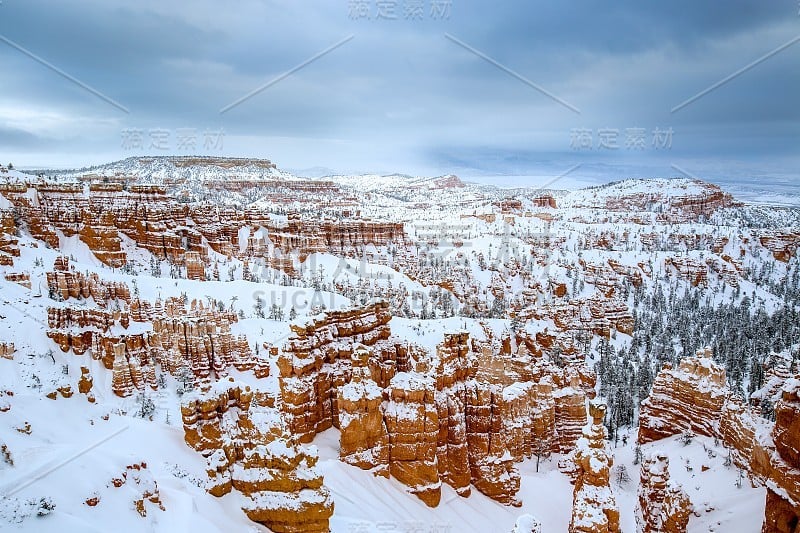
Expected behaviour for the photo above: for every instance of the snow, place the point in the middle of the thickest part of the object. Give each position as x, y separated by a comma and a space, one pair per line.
411, 381
526, 523
63, 428
663, 187
547, 495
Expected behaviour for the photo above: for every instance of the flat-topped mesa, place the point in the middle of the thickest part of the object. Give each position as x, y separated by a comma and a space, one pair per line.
689, 398
364, 440
711, 199
594, 508
701, 199
247, 448
663, 506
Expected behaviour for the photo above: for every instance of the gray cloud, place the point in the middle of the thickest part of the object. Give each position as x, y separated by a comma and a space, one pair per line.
399, 96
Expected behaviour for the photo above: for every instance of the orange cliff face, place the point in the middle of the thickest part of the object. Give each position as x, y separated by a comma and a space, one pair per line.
412, 422
463, 415
364, 440
242, 436
783, 486
9, 244
783, 245
689, 398
695, 398
193, 341
101, 213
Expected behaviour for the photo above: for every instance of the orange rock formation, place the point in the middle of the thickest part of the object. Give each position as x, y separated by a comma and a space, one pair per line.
594, 508
247, 448
663, 506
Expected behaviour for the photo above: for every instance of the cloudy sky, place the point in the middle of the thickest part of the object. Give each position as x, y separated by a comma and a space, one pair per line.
516, 91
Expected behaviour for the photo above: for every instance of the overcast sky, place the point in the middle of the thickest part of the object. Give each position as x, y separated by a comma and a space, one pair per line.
519, 89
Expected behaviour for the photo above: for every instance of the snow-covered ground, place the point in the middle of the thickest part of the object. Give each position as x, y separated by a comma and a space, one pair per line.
69, 450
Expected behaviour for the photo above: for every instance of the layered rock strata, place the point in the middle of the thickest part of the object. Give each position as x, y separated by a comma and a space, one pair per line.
247, 448
594, 508
663, 506
687, 398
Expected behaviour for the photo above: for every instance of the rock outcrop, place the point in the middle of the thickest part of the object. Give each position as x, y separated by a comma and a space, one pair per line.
315, 361
783, 245
783, 478
7, 350
689, 398
22, 278
663, 506
197, 340
694, 398
594, 508
598, 314
9, 244
248, 448
412, 422
463, 415
85, 384
455, 370
364, 440
64, 284
139, 477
